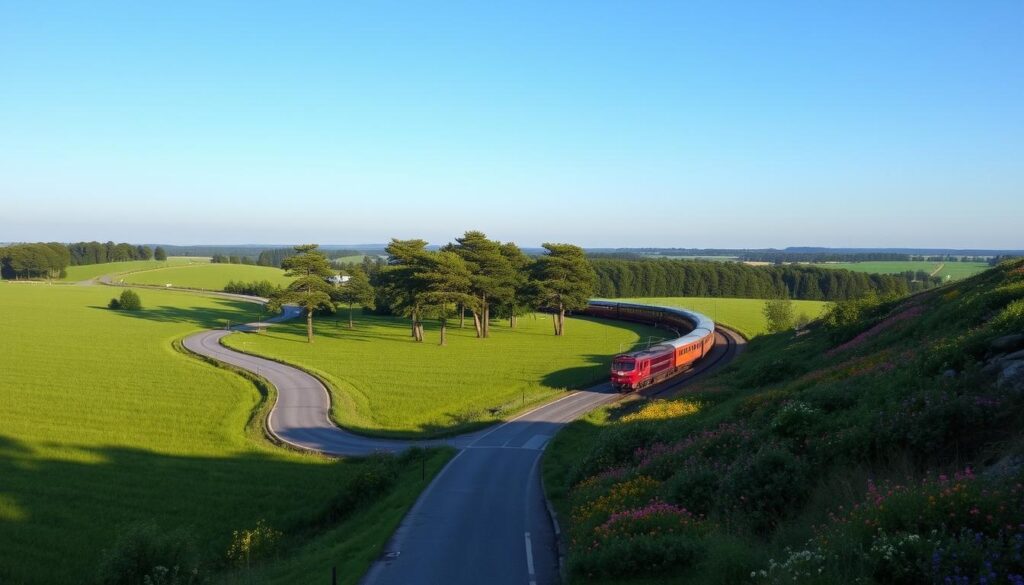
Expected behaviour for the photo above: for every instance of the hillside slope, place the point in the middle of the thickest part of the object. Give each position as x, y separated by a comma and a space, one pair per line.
883, 446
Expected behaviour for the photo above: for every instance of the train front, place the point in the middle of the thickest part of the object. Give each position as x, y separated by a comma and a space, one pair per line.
625, 374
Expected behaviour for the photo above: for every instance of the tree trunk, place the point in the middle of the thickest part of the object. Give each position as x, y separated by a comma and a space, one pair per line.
487, 319
309, 325
444, 332
554, 322
419, 332
350, 315
462, 315
561, 319
476, 323
413, 332
512, 321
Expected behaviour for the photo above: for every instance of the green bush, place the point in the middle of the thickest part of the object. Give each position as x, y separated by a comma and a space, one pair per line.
142, 552
130, 300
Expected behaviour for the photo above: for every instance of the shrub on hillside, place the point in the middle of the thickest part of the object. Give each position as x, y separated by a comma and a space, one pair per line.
766, 487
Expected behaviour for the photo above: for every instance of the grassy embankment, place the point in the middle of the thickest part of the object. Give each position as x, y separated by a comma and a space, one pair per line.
948, 270
106, 426
877, 448
384, 383
743, 315
208, 276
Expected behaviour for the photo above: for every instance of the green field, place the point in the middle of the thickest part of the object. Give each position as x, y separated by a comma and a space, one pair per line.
948, 270
106, 425
385, 383
89, 271
208, 276
744, 315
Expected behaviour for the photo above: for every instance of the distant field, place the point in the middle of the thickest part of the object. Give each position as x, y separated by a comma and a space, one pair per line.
105, 425
77, 273
208, 276
384, 383
744, 315
948, 271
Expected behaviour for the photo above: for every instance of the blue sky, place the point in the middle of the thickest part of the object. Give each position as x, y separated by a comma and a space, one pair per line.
707, 124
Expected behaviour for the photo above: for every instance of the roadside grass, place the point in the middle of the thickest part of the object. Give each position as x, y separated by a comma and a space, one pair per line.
743, 315
383, 383
89, 271
950, 270
106, 426
208, 276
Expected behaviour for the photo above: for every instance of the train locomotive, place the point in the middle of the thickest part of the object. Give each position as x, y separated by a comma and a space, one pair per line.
640, 369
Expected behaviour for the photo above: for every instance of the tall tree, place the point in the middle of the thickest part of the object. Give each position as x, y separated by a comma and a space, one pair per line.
398, 282
779, 314
445, 281
310, 289
356, 291
520, 287
491, 275
565, 280
159, 253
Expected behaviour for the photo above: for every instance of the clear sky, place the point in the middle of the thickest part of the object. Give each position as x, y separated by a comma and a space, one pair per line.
691, 124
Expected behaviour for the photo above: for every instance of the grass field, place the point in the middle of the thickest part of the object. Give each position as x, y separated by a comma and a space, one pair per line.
948, 270
208, 276
105, 425
744, 315
78, 273
384, 383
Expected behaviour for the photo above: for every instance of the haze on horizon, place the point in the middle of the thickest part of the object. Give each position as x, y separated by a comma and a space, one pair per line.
603, 124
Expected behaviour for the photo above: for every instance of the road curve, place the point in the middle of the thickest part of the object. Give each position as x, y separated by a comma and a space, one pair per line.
484, 517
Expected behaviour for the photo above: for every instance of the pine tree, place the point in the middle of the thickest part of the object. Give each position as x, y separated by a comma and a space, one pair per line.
309, 290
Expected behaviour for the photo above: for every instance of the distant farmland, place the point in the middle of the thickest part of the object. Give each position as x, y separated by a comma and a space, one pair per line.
208, 276
946, 270
88, 271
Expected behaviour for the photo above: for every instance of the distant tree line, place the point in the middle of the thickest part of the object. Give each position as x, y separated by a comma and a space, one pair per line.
223, 259
49, 260
276, 256
663, 277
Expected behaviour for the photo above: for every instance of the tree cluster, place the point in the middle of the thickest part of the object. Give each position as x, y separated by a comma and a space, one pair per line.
224, 259
34, 260
128, 301
696, 278
100, 253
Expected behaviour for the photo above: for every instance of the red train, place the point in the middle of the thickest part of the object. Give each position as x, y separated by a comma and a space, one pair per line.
639, 369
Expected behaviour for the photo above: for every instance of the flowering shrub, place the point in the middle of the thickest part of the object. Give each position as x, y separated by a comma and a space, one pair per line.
663, 409
795, 420
253, 544
641, 540
622, 496
958, 529
766, 487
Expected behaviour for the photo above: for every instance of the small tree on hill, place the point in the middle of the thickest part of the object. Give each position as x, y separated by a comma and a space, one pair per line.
779, 313
310, 289
565, 280
356, 291
159, 253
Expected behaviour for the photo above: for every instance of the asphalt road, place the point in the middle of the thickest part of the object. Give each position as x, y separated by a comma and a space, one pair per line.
484, 517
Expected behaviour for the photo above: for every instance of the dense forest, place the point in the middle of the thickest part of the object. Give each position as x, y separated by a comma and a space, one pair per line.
49, 260
697, 278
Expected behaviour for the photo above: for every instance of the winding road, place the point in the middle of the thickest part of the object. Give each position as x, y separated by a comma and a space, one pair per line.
484, 516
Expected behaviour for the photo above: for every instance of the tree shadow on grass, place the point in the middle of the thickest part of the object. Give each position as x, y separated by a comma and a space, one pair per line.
223, 312
67, 503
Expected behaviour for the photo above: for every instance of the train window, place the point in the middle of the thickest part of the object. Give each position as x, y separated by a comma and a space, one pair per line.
624, 365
